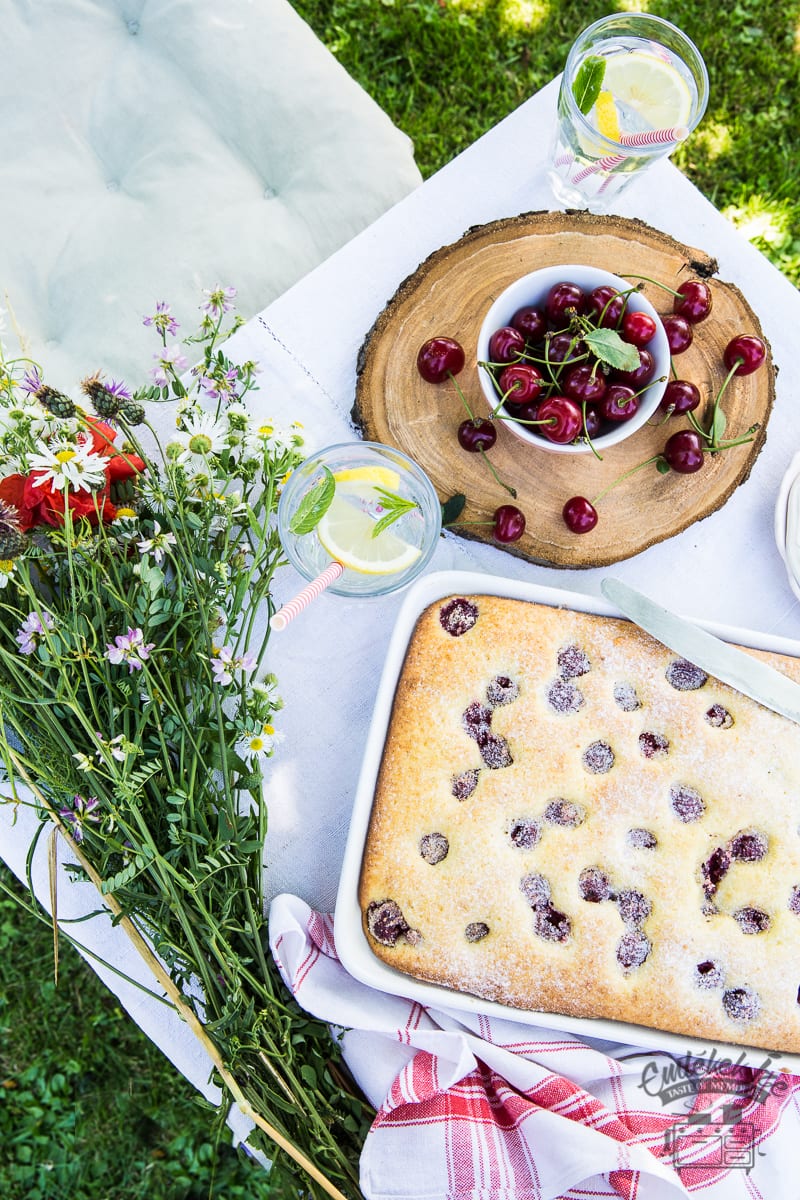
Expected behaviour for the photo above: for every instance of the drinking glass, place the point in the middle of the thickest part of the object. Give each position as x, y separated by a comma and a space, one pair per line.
634, 87
366, 476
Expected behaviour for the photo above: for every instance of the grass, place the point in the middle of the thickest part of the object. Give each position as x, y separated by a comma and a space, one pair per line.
447, 70
89, 1110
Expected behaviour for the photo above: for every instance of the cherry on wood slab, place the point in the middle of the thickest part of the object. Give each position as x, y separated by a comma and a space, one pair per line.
450, 293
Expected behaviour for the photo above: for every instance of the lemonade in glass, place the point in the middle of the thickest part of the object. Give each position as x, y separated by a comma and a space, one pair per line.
634, 87
367, 506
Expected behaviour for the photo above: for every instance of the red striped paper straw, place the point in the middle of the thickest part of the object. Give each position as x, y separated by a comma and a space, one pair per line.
293, 607
602, 164
655, 137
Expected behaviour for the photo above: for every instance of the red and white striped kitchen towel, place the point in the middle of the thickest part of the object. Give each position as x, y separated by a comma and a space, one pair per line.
469, 1106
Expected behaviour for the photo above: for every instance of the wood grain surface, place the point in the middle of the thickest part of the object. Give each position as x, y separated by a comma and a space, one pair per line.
450, 293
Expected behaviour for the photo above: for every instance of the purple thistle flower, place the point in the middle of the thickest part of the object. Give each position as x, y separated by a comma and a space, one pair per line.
129, 647
80, 811
31, 381
31, 629
163, 319
117, 388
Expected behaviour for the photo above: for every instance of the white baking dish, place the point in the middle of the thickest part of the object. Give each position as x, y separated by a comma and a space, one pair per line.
351, 943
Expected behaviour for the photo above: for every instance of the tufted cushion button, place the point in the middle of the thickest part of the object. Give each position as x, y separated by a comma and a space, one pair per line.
112, 186
133, 27
269, 193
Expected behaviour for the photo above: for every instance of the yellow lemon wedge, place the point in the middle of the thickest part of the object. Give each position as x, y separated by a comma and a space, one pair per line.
607, 120
378, 476
345, 532
651, 86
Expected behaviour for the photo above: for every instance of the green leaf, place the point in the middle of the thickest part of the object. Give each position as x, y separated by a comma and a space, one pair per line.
395, 507
608, 346
718, 424
589, 82
663, 467
314, 505
453, 508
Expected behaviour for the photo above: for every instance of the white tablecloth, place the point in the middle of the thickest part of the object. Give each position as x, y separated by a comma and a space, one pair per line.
328, 661
725, 568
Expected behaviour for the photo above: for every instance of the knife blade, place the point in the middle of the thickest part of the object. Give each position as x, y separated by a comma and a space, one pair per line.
726, 662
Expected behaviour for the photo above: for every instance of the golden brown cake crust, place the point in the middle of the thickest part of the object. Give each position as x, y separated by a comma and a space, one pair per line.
569, 818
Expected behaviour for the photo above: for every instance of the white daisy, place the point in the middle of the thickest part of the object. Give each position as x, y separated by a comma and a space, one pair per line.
159, 544
69, 465
271, 433
201, 434
258, 745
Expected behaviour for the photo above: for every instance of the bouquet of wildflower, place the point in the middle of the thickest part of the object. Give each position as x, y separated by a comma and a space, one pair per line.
135, 572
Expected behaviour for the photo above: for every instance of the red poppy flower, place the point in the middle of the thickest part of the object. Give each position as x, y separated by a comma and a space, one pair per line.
40, 503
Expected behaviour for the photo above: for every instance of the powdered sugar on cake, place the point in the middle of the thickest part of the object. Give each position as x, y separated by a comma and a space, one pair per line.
570, 818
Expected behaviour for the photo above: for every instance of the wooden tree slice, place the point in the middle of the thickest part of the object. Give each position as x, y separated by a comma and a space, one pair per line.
450, 293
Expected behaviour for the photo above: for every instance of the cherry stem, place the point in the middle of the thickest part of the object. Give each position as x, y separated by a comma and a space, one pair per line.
462, 397
625, 475
657, 283
711, 436
530, 420
510, 490
740, 441
587, 435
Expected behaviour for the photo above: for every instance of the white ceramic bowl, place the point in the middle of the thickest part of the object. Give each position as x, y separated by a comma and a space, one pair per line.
532, 290
787, 523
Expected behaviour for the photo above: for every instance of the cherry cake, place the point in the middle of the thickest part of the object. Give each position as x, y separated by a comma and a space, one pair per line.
570, 818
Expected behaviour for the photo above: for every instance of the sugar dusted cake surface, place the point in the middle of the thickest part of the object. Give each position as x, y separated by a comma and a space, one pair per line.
569, 818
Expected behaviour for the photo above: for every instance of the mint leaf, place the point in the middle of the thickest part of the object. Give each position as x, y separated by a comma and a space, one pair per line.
314, 505
608, 346
589, 82
395, 506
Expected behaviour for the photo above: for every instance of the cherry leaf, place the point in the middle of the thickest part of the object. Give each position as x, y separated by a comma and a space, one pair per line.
453, 508
718, 423
608, 346
314, 505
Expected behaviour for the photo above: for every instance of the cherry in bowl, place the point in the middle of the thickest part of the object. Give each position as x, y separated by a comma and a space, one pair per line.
545, 293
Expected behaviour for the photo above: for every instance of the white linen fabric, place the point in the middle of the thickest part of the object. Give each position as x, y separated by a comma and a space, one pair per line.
152, 148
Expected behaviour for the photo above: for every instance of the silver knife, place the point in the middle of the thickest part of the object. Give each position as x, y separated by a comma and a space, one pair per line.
726, 662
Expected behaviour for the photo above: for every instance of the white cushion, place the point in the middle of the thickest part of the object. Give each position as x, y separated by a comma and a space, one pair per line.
151, 148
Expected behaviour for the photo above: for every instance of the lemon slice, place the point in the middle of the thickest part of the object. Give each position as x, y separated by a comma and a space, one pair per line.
607, 120
345, 532
383, 477
650, 86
